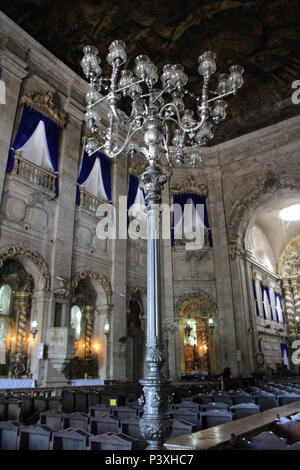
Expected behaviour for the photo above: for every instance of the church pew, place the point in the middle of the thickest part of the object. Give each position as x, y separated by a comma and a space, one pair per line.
113, 441
9, 435
52, 419
217, 436
76, 420
71, 439
36, 437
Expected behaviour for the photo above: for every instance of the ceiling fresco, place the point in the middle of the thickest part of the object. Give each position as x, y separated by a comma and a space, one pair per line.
263, 36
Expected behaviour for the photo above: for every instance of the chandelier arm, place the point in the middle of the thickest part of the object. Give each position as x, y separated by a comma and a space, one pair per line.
128, 86
127, 140
90, 106
178, 121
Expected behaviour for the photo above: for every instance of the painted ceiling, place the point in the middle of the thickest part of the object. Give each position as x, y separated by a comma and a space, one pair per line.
263, 36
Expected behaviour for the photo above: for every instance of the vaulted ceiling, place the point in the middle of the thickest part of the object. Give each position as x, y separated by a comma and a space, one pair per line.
263, 36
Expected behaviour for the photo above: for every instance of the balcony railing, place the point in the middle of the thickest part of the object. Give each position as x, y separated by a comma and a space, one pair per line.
89, 201
33, 173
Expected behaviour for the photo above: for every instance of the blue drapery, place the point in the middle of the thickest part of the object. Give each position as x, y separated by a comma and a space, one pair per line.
182, 199
280, 301
28, 123
255, 297
284, 348
87, 164
133, 184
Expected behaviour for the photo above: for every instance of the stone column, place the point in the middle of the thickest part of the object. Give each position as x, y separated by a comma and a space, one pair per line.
69, 155
37, 366
117, 360
167, 293
13, 71
289, 307
226, 343
102, 341
88, 313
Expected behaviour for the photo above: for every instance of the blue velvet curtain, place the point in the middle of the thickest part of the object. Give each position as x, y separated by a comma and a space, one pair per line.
255, 297
182, 199
28, 123
86, 168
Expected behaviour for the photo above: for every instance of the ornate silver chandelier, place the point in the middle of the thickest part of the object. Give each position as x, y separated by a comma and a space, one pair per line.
168, 129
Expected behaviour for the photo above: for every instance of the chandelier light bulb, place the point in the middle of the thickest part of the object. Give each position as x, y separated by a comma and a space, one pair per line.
207, 63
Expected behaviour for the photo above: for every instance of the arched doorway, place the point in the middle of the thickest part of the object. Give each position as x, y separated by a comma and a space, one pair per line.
91, 305
135, 338
196, 332
85, 362
16, 287
257, 234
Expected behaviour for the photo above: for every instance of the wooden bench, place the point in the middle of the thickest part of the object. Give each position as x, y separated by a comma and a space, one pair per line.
217, 436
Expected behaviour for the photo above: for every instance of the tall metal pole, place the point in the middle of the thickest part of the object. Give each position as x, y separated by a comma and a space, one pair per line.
155, 426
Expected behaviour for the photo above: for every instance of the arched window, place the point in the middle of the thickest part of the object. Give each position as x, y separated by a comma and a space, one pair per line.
5, 299
76, 315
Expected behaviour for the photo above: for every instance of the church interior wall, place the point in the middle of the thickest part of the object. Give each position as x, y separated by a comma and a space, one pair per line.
64, 235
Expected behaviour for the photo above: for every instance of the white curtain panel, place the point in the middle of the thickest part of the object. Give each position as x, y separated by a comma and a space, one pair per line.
279, 310
188, 219
35, 150
94, 182
138, 207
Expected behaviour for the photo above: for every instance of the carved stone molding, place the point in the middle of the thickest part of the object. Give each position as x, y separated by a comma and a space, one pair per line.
133, 290
270, 182
189, 185
34, 256
210, 303
92, 275
44, 104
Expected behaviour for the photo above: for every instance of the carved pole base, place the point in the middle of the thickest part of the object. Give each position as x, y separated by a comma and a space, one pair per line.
155, 425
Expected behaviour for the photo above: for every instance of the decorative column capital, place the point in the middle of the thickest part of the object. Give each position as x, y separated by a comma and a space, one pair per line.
152, 181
